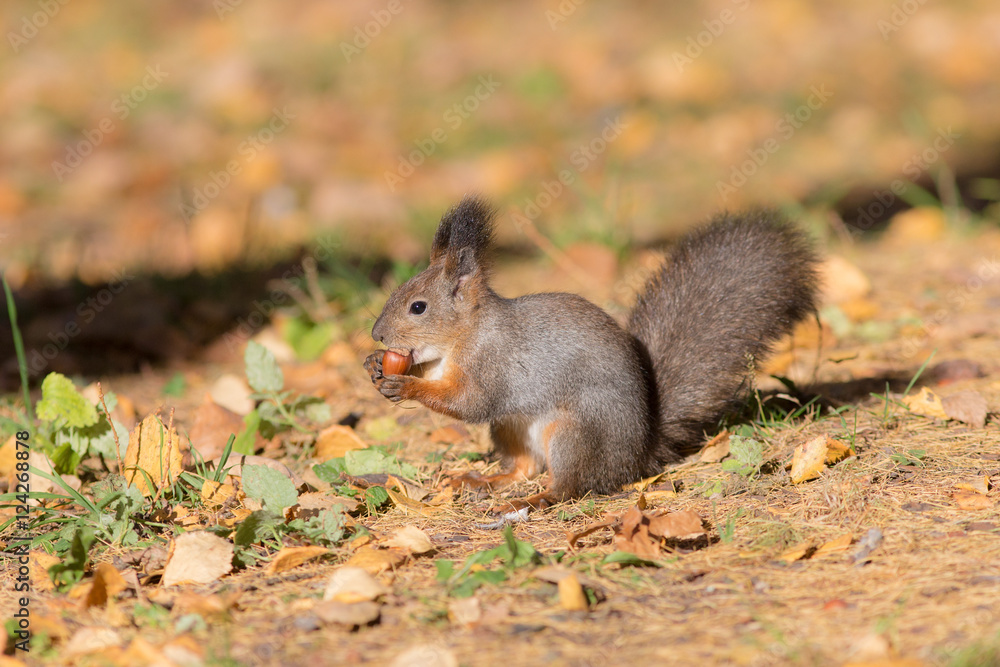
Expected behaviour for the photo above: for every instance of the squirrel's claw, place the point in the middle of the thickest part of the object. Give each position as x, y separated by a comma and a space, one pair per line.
391, 386
373, 364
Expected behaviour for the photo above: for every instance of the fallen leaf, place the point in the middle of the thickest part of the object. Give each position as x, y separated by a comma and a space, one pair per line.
352, 584
353, 614
197, 557
107, 583
407, 504
152, 454
926, 404
233, 393
410, 489
571, 595
979, 484
834, 546
810, 457
312, 503
797, 553
685, 523
39, 563
375, 560
954, 370
335, 441
966, 406
632, 535
292, 557
467, 612
716, 449
451, 435
606, 522
207, 606
91, 640
216, 494
644, 484
972, 501
213, 424
412, 539
920, 225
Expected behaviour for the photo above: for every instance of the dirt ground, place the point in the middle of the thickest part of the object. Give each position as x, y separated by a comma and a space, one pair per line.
777, 578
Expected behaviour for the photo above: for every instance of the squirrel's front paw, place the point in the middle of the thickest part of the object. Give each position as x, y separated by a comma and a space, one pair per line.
373, 364
392, 386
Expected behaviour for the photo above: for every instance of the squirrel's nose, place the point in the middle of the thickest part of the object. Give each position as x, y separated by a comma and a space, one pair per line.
376, 331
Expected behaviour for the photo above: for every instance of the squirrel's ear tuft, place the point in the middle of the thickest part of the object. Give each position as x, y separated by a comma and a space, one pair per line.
465, 233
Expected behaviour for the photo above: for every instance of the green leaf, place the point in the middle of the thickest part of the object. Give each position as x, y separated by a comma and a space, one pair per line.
263, 372
445, 569
62, 403
329, 471
375, 497
256, 527
244, 443
625, 558
70, 570
175, 386
375, 460
269, 486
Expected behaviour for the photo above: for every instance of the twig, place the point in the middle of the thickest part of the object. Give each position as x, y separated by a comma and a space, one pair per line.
114, 432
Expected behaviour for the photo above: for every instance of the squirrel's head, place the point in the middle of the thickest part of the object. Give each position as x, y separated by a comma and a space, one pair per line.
430, 312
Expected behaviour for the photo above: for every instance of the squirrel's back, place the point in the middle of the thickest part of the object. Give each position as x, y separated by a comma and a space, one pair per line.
725, 295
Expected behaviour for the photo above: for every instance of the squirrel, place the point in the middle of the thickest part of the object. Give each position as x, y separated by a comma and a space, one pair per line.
562, 385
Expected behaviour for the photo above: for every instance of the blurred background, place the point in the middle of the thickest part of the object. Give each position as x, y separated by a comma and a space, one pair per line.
205, 144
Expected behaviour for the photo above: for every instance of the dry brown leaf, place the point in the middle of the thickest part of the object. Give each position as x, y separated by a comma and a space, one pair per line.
834, 546
684, 523
216, 494
809, 459
335, 441
455, 434
926, 404
606, 522
632, 535
233, 393
198, 557
375, 560
716, 449
411, 539
353, 614
292, 557
966, 406
408, 488
107, 583
213, 424
312, 503
979, 484
836, 451
571, 595
39, 563
207, 606
403, 502
644, 484
796, 553
154, 453
91, 640
967, 500
353, 584
467, 612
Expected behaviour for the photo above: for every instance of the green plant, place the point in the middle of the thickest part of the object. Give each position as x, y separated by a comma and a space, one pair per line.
747, 456
463, 581
278, 409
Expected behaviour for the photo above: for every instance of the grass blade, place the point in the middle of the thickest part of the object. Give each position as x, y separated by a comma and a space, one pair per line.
22, 360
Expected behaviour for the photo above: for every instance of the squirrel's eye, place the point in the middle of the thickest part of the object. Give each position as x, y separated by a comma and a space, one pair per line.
418, 307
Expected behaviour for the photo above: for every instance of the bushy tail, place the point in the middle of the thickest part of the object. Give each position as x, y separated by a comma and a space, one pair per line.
724, 296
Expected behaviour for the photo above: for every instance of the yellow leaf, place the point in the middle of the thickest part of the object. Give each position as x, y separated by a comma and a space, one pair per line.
834, 546
571, 595
292, 557
154, 453
215, 494
926, 404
